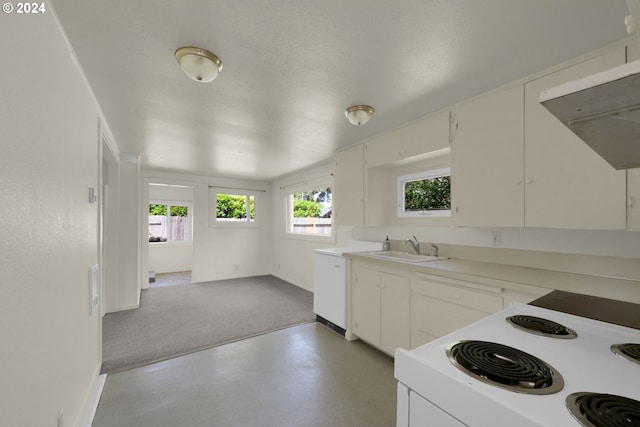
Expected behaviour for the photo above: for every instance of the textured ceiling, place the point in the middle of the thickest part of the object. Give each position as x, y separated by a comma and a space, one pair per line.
291, 67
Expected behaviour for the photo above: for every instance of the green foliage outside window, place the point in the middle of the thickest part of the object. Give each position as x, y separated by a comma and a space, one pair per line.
309, 204
179, 211
428, 194
157, 209
306, 209
229, 206
162, 210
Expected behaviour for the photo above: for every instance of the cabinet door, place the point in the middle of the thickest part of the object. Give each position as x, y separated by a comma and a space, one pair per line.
395, 306
633, 200
419, 137
633, 175
349, 186
365, 304
487, 160
567, 184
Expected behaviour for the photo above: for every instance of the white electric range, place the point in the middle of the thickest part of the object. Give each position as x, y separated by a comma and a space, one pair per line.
437, 389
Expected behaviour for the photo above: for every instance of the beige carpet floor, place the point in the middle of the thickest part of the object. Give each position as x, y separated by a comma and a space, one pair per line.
176, 320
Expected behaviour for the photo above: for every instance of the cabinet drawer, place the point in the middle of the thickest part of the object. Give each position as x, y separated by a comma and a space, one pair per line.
433, 318
479, 297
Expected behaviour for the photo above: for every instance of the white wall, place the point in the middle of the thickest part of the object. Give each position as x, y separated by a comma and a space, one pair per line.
49, 230
621, 244
222, 252
293, 255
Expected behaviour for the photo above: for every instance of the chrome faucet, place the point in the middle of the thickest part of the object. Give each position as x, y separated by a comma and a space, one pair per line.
416, 245
435, 249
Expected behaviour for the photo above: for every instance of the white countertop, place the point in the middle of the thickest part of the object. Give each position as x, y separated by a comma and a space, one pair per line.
354, 246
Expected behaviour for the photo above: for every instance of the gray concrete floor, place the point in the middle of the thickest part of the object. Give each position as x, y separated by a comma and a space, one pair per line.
305, 375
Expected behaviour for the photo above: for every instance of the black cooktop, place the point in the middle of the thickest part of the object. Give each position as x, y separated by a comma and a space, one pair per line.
603, 410
505, 367
540, 326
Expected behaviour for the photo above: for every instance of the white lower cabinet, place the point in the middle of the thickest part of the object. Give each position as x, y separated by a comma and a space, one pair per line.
396, 308
380, 307
440, 305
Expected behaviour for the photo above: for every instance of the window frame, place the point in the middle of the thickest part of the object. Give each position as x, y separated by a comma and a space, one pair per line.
289, 212
418, 176
214, 222
169, 204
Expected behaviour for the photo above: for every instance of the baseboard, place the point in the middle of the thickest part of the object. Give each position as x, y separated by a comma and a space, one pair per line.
124, 307
91, 404
293, 282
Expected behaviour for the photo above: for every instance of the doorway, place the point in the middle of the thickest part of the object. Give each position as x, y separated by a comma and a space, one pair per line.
169, 233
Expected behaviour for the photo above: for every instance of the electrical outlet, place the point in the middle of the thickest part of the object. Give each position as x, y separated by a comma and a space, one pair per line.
496, 238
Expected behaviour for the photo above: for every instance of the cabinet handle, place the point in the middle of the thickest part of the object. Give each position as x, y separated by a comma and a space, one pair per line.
528, 181
336, 265
517, 182
630, 202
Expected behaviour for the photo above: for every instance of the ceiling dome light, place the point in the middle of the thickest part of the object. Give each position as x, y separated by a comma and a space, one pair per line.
199, 64
359, 114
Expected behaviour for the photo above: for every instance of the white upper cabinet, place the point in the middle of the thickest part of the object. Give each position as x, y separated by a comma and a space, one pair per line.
418, 137
633, 175
487, 160
349, 186
567, 185
633, 200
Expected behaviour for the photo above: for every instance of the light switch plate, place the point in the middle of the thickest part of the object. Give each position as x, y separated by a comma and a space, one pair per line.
93, 198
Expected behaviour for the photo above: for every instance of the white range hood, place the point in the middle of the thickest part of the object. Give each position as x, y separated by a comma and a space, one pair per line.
604, 109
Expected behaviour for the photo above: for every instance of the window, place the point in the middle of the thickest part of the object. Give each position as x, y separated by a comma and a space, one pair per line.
309, 212
169, 222
425, 194
233, 208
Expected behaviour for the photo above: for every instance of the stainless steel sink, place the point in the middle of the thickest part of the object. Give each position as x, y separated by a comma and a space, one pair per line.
404, 256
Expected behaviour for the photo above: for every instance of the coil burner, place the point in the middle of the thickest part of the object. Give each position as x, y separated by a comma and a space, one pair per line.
505, 367
603, 410
540, 326
629, 351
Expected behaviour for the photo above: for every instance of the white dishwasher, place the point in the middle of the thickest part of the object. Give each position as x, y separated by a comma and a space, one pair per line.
329, 283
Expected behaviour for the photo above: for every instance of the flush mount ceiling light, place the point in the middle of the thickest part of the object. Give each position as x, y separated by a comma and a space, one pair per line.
359, 114
199, 64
